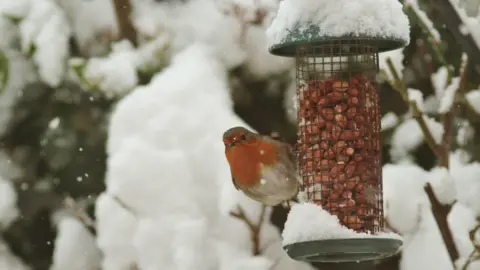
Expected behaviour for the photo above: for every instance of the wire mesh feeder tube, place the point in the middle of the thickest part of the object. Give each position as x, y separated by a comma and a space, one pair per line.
338, 132
339, 146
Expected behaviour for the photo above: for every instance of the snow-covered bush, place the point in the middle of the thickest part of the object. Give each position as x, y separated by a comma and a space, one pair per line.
111, 132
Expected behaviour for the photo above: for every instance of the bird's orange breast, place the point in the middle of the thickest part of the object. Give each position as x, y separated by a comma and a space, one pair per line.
246, 161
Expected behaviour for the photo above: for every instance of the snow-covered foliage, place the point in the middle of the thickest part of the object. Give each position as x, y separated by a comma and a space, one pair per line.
171, 173
8, 211
75, 246
169, 197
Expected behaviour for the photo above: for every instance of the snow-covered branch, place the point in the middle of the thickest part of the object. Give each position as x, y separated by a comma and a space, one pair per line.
469, 38
442, 151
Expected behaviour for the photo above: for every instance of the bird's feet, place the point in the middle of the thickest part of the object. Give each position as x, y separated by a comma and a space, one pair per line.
287, 204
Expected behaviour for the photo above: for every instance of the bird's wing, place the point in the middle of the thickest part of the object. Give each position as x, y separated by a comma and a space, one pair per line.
284, 151
285, 154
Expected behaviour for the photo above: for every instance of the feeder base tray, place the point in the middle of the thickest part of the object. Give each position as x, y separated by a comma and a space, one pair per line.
353, 250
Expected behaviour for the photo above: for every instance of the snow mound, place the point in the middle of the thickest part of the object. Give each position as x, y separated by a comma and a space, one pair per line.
341, 18
309, 222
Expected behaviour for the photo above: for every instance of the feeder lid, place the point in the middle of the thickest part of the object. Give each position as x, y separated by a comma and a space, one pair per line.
352, 250
374, 22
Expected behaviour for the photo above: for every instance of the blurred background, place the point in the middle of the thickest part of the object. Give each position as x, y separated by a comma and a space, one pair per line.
103, 101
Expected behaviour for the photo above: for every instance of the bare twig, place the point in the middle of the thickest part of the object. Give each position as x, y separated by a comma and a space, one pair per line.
254, 228
239, 13
438, 53
449, 117
398, 85
475, 254
426, 57
472, 234
123, 9
123, 205
471, 258
79, 213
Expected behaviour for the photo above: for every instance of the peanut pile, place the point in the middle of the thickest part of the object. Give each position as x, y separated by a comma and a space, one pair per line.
340, 150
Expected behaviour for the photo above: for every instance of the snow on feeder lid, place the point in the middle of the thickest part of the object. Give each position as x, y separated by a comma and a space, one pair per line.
336, 45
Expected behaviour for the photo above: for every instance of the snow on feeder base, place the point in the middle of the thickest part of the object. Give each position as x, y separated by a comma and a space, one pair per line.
338, 148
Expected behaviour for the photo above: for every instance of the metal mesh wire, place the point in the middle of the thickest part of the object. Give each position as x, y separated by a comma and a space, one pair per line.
338, 137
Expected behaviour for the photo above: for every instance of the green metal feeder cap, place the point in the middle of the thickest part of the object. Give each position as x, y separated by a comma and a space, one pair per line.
344, 251
380, 23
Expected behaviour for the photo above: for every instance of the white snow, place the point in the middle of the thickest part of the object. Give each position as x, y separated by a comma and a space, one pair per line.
439, 81
260, 63
415, 95
398, 180
46, 31
171, 172
308, 222
448, 97
93, 23
408, 136
15, 9
74, 247
443, 185
118, 252
466, 182
473, 99
445, 92
181, 21
471, 24
465, 133
411, 215
436, 128
396, 56
424, 18
166, 161
21, 72
341, 17
115, 74
8, 203
290, 102
389, 120
8, 210
431, 104
10, 261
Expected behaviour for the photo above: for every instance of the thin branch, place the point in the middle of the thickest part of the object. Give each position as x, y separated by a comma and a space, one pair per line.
123, 9
472, 235
399, 85
475, 254
426, 57
470, 259
124, 205
440, 212
449, 118
435, 46
80, 213
253, 228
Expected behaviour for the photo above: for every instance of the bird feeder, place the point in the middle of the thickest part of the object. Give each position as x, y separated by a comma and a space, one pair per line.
338, 147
